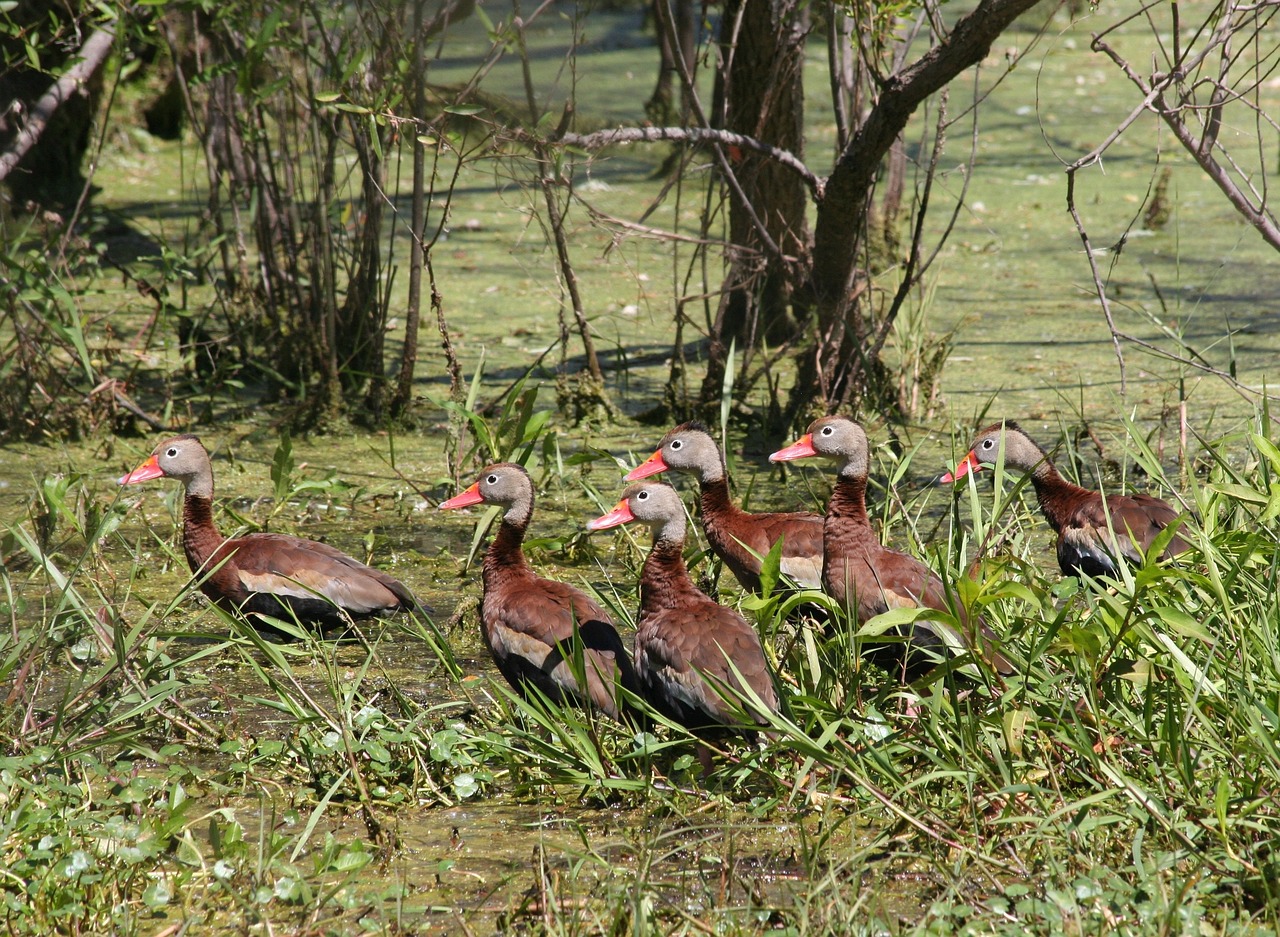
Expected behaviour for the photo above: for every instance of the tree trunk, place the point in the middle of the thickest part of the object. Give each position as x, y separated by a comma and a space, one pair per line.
677, 33
46, 119
403, 395
835, 367
762, 57
66, 179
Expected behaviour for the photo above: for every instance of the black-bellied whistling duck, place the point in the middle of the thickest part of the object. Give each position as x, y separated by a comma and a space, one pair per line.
266, 574
861, 573
739, 538
687, 645
1090, 532
529, 622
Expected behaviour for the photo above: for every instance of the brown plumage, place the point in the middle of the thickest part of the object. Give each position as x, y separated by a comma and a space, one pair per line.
1091, 531
861, 573
529, 622
738, 537
685, 640
266, 574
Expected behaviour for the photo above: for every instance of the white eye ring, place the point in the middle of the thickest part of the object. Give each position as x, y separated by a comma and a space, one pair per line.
642, 496
676, 444
172, 452
988, 443
492, 480
827, 430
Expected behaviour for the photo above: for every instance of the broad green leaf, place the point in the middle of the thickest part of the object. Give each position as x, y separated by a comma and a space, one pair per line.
1182, 623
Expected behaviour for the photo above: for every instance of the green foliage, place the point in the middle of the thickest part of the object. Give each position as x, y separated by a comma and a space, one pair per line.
1128, 762
508, 429
48, 372
288, 488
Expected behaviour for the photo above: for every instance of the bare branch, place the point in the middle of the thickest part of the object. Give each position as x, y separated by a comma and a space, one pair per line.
902, 92
603, 138
1202, 149
910, 275
92, 54
1097, 276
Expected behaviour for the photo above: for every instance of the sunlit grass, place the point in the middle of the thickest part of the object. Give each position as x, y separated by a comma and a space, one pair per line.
1124, 776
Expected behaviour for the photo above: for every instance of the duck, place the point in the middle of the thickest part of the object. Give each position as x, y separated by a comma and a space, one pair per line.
868, 578
529, 622
1092, 529
690, 651
740, 538
264, 574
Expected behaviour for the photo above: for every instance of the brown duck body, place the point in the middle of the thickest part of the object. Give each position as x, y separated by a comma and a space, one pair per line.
740, 538
1092, 529
529, 623
691, 652
285, 577
868, 578
685, 643
863, 573
266, 574
528, 626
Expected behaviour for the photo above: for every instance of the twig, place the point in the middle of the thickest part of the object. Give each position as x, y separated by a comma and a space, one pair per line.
1097, 276
910, 272
694, 135
122, 400
555, 215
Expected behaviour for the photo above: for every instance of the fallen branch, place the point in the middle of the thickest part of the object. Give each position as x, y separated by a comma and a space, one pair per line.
603, 138
92, 54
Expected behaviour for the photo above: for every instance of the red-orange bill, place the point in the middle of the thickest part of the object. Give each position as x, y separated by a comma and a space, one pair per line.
969, 464
621, 514
465, 499
143, 473
650, 466
802, 448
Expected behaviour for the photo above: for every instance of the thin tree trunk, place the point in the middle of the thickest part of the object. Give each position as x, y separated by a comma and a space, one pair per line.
834, 367
763, 54
417, 223
556, 218
554, 215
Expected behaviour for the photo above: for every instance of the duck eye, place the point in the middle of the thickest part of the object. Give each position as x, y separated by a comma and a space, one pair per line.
171, 452
827, 430
676, 444
642, 496
988, 443
492, 480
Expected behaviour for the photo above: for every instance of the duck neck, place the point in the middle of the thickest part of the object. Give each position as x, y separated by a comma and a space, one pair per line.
714, 498
506, 552
849, 498
664, 579
711, 471
1054, 493
200, 536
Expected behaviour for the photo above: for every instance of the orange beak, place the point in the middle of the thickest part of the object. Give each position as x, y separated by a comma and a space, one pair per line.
144, 473
466, 499
650, 466
969, 464
621, 514
802, 448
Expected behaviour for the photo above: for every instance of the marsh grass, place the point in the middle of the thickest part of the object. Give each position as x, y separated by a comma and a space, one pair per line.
1122, 780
